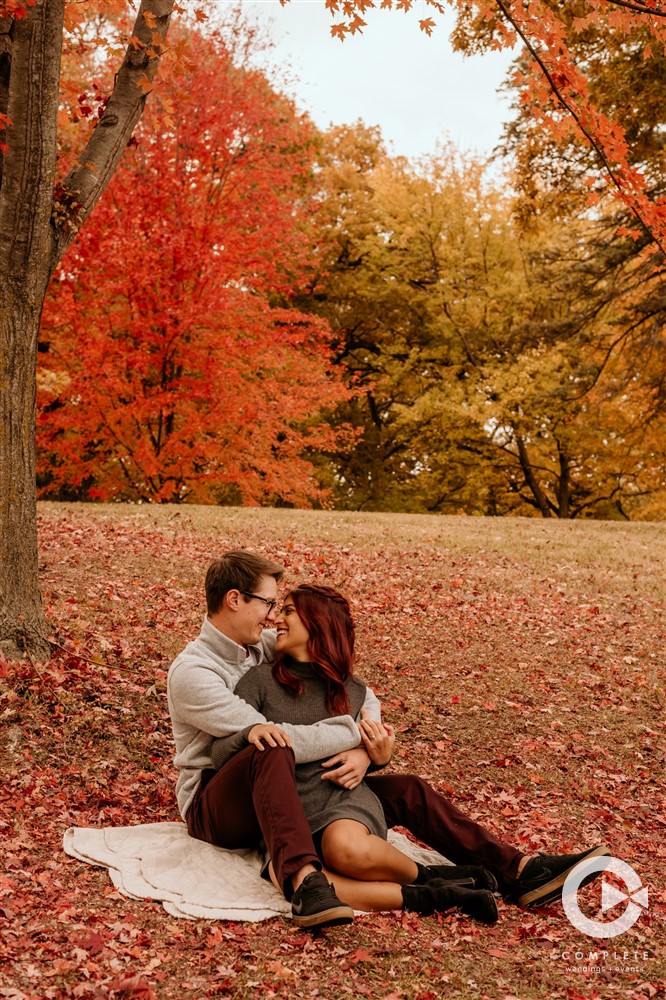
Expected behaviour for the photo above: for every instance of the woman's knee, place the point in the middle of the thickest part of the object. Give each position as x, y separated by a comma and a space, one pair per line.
346, 845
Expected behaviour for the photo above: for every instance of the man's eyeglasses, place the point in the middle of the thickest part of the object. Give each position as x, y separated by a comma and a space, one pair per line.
269, 604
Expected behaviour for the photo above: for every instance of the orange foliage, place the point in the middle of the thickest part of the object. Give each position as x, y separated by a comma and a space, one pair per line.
555, 89
15, 8
176, 368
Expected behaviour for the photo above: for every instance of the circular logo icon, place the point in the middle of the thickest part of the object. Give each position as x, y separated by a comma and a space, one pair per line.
635, 900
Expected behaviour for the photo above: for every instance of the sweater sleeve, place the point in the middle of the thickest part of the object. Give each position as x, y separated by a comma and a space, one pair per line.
313, 742
205, 702
322, 739
372, 705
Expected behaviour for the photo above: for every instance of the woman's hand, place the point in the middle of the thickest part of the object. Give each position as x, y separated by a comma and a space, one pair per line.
378, 739
269, 731
349, 767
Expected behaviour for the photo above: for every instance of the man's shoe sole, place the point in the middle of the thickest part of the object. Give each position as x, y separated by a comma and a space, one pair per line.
327, 918
552, 890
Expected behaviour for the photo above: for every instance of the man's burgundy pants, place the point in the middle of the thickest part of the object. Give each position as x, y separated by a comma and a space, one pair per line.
254, 795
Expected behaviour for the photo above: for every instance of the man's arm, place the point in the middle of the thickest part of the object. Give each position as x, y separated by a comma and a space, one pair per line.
201, 699
372, 706
348, 767
330, 736
323, 738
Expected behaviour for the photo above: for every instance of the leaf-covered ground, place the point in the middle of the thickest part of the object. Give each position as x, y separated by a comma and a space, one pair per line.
520, 660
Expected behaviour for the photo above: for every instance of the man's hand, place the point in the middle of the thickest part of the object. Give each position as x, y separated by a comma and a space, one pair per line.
351, 770
378, 739
270, 732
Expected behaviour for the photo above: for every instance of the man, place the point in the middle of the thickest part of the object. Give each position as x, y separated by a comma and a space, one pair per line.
253, 795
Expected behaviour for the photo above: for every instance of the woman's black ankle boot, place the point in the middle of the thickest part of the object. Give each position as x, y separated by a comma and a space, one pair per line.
439, 895
470, 876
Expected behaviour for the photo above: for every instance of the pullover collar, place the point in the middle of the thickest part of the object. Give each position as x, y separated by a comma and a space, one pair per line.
226, 648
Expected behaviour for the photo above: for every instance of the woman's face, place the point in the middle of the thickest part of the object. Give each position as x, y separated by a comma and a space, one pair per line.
292, 635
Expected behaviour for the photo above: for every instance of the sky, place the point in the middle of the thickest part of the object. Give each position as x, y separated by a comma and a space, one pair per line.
417, 89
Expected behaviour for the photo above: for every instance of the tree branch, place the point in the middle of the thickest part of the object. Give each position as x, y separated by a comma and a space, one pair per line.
86, 182
596, 146
640, 8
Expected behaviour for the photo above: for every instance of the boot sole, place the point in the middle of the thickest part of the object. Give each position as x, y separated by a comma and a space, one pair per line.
334, 917
551, 891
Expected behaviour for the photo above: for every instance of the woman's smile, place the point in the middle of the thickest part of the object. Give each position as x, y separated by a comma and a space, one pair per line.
292, 635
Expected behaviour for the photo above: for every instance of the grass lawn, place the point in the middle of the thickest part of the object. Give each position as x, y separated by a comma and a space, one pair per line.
521, 661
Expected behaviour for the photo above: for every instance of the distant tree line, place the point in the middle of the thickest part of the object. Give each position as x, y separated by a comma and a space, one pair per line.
261, 313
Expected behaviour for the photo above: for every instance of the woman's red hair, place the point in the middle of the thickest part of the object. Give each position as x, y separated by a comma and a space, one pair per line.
326, 615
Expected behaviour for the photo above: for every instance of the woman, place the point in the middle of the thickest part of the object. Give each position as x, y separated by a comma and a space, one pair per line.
311, 679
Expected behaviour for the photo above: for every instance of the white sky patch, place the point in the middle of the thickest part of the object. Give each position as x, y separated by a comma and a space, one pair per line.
417, 89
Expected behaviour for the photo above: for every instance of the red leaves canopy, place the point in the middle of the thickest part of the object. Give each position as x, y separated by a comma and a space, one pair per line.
175, 367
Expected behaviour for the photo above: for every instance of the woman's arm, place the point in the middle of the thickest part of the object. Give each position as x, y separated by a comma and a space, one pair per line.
348, 768
309, 742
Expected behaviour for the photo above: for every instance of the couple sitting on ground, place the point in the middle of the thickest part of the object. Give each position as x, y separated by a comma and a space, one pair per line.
274, 736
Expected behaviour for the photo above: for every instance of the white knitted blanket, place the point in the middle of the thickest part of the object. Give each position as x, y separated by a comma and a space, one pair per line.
190, 878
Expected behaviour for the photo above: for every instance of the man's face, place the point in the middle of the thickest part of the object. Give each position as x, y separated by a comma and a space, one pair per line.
253, 615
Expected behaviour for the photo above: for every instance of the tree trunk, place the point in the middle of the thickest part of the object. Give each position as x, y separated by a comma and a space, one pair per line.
34, 233
564, 484
23, 627
31, 69
531, 479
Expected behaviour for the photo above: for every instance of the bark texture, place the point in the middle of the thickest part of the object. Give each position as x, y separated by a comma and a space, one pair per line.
32, 67
35, 230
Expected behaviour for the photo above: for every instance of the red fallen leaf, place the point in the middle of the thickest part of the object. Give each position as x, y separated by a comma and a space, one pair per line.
360, 955
527, 930
92, 942
455, 700
387, 923
133, 988
280, 970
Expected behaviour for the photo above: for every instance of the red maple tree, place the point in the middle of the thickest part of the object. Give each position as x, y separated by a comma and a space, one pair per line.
174, 366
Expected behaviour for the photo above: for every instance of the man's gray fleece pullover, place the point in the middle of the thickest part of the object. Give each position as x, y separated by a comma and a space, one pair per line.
202, 705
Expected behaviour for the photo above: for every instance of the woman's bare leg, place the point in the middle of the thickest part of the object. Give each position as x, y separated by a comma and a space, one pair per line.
432, 898
350, 849
367, 896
